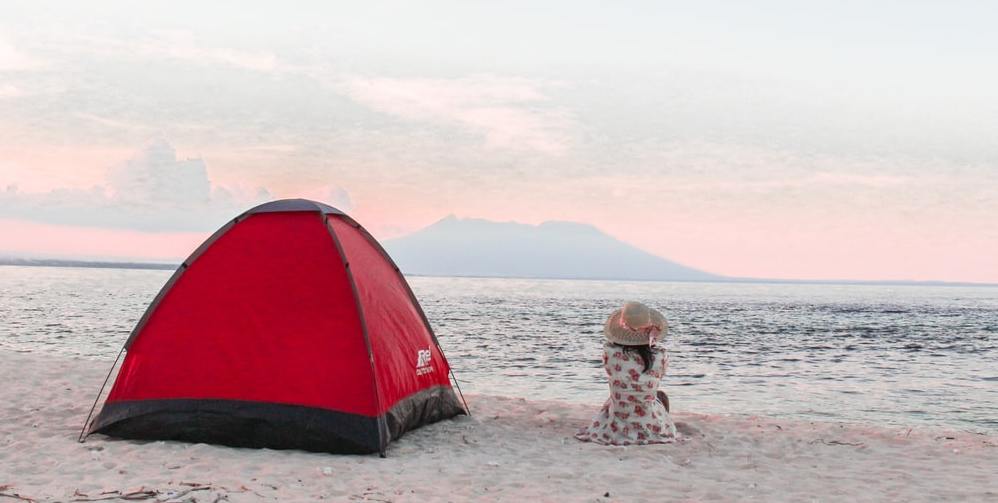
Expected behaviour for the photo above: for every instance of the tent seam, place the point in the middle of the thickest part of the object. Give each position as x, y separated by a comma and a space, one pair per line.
382, 425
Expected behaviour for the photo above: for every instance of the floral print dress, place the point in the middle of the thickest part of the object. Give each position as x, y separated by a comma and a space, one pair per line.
632, 415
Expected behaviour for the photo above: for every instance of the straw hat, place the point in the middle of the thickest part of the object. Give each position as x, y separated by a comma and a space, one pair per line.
635, 324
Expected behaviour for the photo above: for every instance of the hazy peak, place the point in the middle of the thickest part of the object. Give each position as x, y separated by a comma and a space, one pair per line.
456, 246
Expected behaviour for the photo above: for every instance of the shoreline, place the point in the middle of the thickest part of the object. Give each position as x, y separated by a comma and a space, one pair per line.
511, 449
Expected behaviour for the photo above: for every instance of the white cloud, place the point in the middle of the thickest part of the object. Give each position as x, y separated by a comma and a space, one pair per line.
333, 195
153, 191
510, 113
13, 60
176, 45
701, 166
156, 177
108, 122
10, 91
185, 46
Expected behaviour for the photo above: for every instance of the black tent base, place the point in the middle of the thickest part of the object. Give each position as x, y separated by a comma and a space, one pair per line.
270, 425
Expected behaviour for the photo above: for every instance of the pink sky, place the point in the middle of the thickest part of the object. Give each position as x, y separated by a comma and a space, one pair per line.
772, 238
682, 130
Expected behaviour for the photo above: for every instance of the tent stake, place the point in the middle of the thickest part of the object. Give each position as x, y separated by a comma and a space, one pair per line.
99, 393
458, 386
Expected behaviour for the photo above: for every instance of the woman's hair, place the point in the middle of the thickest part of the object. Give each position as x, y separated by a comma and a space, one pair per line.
645, 352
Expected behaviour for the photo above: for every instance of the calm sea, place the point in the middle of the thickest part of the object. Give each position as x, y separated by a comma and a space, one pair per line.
892, 355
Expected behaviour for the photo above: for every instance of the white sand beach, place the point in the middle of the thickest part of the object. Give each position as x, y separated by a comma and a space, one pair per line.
510, 450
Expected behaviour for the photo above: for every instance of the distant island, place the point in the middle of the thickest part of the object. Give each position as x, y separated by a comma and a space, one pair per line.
552, 250
44, 262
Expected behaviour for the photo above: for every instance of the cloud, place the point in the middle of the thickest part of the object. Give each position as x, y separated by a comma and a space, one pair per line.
153, 191
9, 91
13, 60
700, 168
177, 45
332, 195
156, 177
184, 45
110, 123
510, 113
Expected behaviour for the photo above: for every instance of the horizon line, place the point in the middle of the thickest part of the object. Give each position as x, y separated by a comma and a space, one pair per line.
163, 266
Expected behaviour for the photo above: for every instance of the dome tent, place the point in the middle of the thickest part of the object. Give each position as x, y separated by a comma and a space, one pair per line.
290, 327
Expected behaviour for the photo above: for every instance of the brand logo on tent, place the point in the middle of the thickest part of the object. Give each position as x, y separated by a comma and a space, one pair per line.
423, 365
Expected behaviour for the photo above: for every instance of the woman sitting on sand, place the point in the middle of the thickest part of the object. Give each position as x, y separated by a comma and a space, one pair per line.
636, 412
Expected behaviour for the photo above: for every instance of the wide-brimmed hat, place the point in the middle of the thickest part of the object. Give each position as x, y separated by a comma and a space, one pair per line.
635, 324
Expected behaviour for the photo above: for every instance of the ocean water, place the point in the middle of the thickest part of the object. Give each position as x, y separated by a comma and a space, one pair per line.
892, 355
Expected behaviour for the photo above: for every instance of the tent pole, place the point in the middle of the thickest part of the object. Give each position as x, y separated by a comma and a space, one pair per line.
384, 436
458, 386
99, 393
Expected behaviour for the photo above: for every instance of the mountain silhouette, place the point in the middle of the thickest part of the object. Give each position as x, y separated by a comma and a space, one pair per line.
558, 250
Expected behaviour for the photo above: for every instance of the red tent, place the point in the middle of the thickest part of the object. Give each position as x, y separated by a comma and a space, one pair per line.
290, 327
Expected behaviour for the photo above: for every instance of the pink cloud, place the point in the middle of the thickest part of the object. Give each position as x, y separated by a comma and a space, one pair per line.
11, 59
39, 168
184, 45
10, 91
153, 190
509, 113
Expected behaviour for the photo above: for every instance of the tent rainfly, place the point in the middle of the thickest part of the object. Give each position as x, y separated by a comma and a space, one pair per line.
289, 328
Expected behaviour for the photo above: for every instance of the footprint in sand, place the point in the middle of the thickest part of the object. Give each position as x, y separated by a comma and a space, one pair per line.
687, 429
